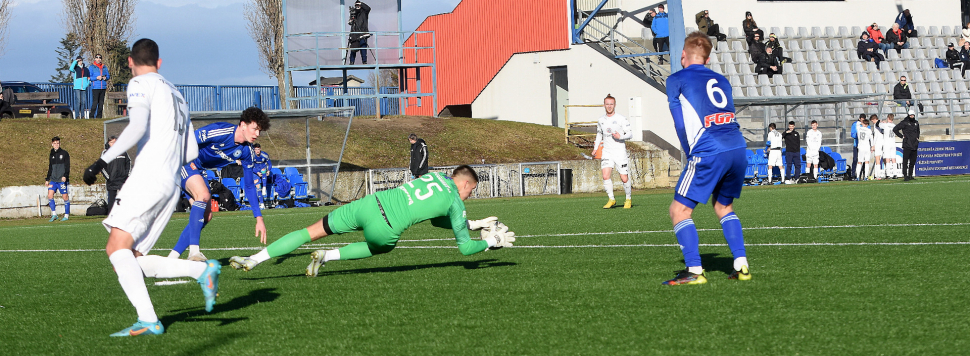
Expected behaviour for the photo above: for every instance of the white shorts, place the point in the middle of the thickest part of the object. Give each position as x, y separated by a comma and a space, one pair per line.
889, 151
142, 209
774, 158
878, 151
619, 162
865, 154
811, 157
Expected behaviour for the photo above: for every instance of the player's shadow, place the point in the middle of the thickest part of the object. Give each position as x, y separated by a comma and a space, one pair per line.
212, 342
466, 264
198, 314
713, 262
278, 260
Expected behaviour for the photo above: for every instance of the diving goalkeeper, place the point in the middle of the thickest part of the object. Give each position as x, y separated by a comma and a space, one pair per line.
384, 215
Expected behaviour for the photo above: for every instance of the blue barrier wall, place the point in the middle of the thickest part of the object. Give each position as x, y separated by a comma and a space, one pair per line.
240, 97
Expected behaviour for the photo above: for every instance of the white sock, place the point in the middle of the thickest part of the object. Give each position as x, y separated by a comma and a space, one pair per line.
628, 188
815, 172
695, 269
859, 171
740, 261
160, 267
782, 171
133, 283
608, 184
331, 255
771, 173
193, 249
174, 254
260, 256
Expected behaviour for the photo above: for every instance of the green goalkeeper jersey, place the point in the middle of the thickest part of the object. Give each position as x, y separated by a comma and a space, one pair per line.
434, 197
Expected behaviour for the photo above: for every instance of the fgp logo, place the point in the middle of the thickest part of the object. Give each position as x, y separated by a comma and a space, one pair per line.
718, 119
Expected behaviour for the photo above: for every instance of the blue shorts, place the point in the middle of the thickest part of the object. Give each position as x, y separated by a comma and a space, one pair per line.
60, 187
720, 176
187, 172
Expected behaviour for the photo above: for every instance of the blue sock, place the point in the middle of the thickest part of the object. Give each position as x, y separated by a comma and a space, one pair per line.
192, 232
733, 234
687, 238
67, 207
50, 203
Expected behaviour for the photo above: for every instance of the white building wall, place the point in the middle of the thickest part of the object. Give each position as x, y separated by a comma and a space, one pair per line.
520, 92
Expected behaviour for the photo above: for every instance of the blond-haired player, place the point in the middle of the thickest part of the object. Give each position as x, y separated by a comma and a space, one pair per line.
612, 131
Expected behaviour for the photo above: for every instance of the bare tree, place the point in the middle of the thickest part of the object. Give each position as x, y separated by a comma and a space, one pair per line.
4, 21
388, 78
265, 23
100, 25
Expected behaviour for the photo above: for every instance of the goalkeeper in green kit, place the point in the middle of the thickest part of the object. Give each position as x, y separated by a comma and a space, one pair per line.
384, 215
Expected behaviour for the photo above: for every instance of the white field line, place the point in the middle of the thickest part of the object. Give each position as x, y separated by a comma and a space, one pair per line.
98, 222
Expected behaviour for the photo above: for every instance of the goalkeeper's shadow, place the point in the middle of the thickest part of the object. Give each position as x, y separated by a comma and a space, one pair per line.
479, 264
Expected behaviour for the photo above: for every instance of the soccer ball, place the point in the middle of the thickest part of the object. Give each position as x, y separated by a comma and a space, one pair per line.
495, 229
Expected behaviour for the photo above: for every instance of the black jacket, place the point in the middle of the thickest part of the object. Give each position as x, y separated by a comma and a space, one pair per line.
793, 141
908, 130
358, 21
867, 47
892, 38
58, 166
952, 55
901, 91
117, 171
756, 50
419, 158
964, 56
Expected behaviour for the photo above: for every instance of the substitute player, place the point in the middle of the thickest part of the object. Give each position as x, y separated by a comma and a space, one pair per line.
159, 124
58, 176
612, 131
383, 217
864, 136
889, 148
262, 168
774, 153
220, 144
703, 111
813, 138
878, 136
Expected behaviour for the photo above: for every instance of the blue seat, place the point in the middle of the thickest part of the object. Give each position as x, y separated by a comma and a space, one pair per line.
210, 175
300, 187
233, 187
277, 171
749, 175
762, 171
827, 150
759, 152
802, 151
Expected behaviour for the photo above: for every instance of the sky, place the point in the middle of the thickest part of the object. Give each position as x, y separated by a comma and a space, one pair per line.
200, 41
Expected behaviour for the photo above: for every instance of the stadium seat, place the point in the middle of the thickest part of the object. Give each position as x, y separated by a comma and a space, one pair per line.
733, 33
233, 187
300, 187
844, 32
790, 33
816, 32
827, 150
945, 31
856, 32
210, 175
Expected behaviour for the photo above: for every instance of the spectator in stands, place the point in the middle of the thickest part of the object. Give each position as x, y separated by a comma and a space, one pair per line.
953, 59
358, 23
750, 28
875, 34
777, 49
897, 38
99, 82
793, 153
869, 50
661, 30
965, 34
707, 26
903, 95
908, 130
905, 22
768, 64
419, 156
116, 173
855, 144
965, 56
82, 80
756, 49
648, 20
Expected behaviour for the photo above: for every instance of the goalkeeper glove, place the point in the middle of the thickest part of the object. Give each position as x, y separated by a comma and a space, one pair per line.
480, 224
91, 174
502, 239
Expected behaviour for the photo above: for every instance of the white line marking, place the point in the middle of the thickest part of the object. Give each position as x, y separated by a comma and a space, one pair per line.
169, 283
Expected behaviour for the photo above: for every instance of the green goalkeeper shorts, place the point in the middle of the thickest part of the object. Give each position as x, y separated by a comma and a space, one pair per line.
365, 214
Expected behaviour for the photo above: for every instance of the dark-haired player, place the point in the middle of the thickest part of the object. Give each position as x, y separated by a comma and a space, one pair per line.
220, 144
58, 176
159, 124
703, 111
384, 215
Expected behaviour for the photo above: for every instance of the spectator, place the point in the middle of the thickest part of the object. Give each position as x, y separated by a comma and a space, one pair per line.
965, 34
358, 24
661, 31
897, 38
756, 49
965, 56
905, 22
4, 103
100, 75
648, 20
773, 151
855, 144
908, 130
903, 95
116, 173
82, 80
58, 176
750, 28
875, 34
707, 26
768, 64
868, 50
777, 49
793, 153
953, 59
419, 156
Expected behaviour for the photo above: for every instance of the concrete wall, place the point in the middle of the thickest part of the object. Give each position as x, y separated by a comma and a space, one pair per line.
520, 92
23, 201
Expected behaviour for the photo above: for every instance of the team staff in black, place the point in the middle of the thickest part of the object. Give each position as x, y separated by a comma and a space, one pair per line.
116, 173
908, 130
419, 156
58, 176
793, 154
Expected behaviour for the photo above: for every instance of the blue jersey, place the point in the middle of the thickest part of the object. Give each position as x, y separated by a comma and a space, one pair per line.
702, 106
261, 164
217, 147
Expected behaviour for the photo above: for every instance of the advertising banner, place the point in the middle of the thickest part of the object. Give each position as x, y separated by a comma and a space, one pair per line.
943, 158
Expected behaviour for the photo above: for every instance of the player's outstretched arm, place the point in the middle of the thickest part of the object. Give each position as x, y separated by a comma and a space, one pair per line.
136, 129
250, 187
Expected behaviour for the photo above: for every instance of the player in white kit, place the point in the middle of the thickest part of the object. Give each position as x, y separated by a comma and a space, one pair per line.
774, 152
159, 124
878, 136
889, 148
864, 135
813, 138
612, 131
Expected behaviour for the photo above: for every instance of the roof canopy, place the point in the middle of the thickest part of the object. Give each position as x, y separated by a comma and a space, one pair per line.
793, 100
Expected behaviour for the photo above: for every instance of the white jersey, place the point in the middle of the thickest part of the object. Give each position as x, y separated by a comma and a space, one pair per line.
887, 130
605, 127
814, 140
163, 149
865, 138
878, 136
774, 138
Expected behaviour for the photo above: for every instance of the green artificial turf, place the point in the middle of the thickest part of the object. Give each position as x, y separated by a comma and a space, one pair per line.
838, 269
